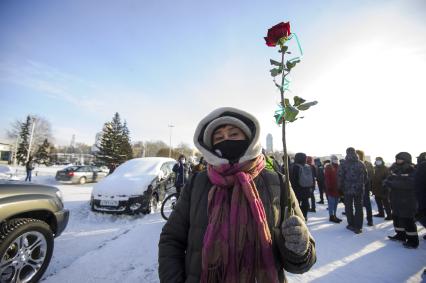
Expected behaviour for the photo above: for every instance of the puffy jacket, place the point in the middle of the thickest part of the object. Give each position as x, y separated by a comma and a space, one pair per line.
181, 240
331, 184
402, 190
420, 179
301, 192
381, 172
352, 175
182, 171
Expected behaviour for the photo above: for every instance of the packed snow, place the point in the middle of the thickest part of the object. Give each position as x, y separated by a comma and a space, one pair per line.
98, 247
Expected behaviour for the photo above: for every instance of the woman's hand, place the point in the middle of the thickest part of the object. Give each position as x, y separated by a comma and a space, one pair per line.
296, 235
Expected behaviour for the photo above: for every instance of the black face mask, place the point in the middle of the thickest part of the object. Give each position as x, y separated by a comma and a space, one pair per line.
231, 149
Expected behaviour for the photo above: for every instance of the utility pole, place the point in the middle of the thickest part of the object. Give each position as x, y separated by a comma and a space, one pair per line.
170, 145
15, 150
31, 138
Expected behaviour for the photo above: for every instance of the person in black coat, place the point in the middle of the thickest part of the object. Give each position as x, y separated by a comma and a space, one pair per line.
403, 200
420, 181
299, 183
320, 179
182, 170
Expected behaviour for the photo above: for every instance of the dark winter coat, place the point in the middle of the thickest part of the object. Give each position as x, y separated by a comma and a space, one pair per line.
29, 165
301, 192
402, 190
319, 173
331, 184
182, 171
381, 172
181, 240
352, 175
420, 180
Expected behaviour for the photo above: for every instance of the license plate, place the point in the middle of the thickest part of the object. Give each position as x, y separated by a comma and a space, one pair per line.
109, 202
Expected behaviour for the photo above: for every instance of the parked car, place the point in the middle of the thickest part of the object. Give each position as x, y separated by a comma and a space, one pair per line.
31, 216
136, 186
80, 174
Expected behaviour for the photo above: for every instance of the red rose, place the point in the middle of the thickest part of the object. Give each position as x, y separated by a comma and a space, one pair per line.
277, 32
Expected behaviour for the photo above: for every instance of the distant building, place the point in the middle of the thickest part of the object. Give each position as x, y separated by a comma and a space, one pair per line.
269, 143
5, 152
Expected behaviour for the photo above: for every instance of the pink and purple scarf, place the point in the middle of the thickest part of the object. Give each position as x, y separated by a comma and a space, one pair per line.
237, 243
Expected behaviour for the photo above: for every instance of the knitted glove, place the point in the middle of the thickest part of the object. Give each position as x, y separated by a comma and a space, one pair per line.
296, 235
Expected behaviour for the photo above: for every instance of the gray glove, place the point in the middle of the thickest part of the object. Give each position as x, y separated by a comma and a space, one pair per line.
296, 235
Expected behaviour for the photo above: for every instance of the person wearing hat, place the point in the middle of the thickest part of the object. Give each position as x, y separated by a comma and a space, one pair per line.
403, 200
420, 180
381, 172
229, 224
352, 177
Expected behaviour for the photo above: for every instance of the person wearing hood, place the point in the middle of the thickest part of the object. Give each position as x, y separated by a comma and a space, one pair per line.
403, 200
420, 179
230, 222
302, 180
332, 189
352, 179
381, 172
182, 171
366, 199
320, 179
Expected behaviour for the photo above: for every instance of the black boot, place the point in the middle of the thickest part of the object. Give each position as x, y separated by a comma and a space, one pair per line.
398, 237
370, 223
410, 245
338, 219
379, 215
387, 218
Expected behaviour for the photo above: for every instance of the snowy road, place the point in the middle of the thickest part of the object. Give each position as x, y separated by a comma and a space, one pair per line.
107, 248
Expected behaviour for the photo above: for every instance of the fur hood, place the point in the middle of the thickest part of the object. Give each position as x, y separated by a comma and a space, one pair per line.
254, 149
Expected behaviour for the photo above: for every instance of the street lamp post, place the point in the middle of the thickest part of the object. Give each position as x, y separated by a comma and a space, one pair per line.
170, 145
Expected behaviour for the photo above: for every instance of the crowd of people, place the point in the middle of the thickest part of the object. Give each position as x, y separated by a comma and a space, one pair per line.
399, 191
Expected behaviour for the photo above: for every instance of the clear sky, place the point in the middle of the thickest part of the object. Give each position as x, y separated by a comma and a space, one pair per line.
171, 62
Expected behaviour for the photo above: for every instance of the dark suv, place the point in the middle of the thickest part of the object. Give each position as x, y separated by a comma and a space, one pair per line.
31, 216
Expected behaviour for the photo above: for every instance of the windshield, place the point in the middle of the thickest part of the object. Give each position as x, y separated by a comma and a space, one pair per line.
137, 167
71, 168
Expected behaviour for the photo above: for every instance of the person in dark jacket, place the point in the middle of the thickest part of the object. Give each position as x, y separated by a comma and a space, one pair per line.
381, 172
331, 186
366, 202
420, 180
29, 167
310, 162
182, 170
320, 179
302, 188
352, 179
403, 200
228, 225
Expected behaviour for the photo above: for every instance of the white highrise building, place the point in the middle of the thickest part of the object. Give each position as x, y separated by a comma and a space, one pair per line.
269, 143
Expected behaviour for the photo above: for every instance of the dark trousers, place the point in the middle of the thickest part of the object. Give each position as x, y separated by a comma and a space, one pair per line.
354, 219
304, 206
312, 197
321, 191
383, 202
367, 204
29, 173
406, 227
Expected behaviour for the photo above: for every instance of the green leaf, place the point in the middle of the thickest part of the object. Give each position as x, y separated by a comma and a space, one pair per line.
307, 105
275, 63
290, 113
286, 102
298, 100
276, 71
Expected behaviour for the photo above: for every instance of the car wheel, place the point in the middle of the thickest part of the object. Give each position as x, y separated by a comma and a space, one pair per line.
82, 180
26, 247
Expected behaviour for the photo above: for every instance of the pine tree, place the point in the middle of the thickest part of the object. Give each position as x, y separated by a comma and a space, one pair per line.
115, 147
42, 156
23, 146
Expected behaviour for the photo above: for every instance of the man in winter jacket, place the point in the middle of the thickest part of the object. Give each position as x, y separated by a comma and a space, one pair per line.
310, 162
302, 181
182, 171
29, 166
381, 172
352, 179
420, 179
320, 179
366, 199
403, 200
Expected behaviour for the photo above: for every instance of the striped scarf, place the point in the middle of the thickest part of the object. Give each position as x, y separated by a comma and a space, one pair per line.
237, 245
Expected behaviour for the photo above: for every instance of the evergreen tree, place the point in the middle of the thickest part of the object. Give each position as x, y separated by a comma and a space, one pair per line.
42, 156
21, 154
115, 147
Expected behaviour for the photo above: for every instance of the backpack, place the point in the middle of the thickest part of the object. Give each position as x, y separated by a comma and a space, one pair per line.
305, 176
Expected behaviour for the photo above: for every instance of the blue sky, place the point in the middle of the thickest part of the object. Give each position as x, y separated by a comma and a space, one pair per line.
160, 62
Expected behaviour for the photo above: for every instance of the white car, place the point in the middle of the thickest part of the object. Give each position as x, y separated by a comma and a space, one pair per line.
135, 186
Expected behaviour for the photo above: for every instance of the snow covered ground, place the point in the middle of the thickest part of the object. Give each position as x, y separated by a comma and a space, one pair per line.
109, 248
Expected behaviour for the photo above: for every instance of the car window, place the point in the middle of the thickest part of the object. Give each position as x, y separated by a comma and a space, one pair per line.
71, 168
84, 169
95, 169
